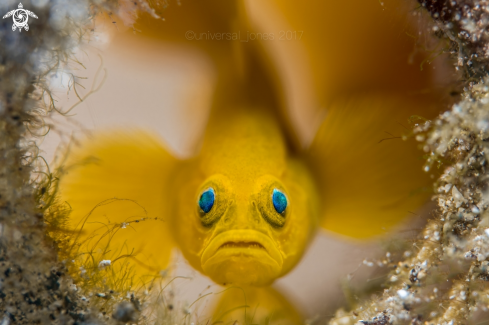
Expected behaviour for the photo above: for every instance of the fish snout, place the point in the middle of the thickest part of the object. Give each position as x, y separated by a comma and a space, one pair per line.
243, 217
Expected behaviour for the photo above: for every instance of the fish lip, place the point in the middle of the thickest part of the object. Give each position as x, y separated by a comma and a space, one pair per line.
245, 236
242, 244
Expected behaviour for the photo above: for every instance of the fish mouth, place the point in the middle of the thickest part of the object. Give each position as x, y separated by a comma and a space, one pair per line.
242, 244
242, 256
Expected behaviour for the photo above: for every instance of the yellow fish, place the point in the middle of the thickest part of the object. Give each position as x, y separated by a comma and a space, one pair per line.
244, 208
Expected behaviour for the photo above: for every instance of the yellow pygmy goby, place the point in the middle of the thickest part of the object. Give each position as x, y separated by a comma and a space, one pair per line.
243, 209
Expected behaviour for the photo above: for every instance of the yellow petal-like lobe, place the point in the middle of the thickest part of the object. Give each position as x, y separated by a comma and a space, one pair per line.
352, 46
116, 187
326, 50
198, 25
250, 305
370, 178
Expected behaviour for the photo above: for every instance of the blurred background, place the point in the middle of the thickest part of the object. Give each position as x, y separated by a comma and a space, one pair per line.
161, 76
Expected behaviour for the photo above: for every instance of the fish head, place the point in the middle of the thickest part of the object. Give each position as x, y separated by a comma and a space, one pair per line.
249, 221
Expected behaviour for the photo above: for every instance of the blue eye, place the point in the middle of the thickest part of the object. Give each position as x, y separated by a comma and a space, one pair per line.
279, 201
206, 200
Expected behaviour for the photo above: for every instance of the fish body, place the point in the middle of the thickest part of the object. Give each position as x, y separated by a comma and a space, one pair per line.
244, 209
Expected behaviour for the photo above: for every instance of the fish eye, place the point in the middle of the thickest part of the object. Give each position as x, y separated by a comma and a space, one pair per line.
279, 201
273, 202
206, 200
212, 200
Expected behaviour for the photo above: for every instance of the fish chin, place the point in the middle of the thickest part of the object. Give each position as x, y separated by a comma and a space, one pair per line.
244, 257
242, 270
